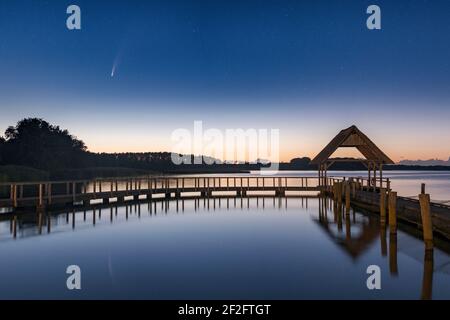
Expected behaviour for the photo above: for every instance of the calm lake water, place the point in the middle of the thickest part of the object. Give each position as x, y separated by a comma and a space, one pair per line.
228, 248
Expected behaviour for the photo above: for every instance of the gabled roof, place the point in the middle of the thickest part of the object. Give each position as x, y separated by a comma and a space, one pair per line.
353, 137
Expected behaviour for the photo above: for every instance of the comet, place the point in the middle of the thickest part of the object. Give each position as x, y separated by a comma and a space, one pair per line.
114, 67
116, 64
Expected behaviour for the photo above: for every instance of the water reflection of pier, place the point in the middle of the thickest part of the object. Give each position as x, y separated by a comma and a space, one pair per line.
370, 228
352, 231
36, 223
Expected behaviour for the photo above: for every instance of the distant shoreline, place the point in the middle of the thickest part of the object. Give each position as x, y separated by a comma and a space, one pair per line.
22, 174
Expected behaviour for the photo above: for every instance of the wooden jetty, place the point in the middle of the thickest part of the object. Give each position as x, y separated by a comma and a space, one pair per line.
40, 195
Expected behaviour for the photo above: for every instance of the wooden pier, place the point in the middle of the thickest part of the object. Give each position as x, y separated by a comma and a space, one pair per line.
428, 216
40, 195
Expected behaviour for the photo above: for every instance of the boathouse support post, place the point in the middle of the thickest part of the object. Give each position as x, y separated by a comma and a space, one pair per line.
381, 175
427, 226
374, 184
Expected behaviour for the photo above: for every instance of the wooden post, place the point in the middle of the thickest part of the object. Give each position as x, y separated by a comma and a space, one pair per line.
374, 187
354, 189
15, 196
74, 190
20, 192
381, 175
334, 190
383, 205
393, 212
422, 188
49, 193
15, 226
340, 191
40, 196
347, 198
427, 225
393, 264
427, 279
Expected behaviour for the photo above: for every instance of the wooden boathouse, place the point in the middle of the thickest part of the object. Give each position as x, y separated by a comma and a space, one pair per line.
352, 137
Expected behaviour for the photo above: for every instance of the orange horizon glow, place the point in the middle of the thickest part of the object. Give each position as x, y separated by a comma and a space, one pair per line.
286, 153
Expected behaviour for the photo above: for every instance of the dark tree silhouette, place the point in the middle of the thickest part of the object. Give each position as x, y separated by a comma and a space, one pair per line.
35, 143
2, 144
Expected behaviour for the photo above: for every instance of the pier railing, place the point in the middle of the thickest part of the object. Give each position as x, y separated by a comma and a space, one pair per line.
46, 193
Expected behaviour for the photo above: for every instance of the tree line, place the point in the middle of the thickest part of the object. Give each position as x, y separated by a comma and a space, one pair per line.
37, 144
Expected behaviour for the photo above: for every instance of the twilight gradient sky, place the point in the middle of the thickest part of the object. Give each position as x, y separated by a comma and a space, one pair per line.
309, 68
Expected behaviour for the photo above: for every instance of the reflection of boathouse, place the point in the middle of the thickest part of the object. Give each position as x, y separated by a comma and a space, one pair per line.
360, 231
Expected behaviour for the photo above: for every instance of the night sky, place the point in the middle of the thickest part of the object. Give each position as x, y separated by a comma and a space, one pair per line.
309, 68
